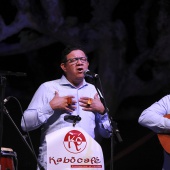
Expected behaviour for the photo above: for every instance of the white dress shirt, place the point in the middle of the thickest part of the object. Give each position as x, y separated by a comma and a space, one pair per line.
39, 112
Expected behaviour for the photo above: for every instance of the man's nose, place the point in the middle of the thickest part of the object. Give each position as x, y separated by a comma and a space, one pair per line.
79, 61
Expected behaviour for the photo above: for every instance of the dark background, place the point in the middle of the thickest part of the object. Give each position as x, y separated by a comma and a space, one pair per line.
127, 43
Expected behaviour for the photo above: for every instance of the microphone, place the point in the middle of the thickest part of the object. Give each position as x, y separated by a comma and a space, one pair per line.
10, 73
88, 73
20, 74
72, 117
7, 99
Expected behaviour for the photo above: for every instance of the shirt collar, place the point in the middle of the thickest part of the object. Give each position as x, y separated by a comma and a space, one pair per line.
65, 82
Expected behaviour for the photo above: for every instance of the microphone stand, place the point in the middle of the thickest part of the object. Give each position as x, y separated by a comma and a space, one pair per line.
3, 111
23, 138
115, 130
2, 92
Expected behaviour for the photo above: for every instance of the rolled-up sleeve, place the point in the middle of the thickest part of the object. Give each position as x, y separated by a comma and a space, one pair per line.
153, 117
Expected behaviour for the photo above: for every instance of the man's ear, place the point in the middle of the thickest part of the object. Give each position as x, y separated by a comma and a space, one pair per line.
62, 65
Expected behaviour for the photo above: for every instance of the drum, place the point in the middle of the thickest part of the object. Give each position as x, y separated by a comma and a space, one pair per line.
8, 159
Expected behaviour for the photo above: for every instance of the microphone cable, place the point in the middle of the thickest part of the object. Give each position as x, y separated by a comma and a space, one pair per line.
28, 135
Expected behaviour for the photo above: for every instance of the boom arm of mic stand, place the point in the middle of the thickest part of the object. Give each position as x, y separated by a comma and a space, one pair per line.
23, 138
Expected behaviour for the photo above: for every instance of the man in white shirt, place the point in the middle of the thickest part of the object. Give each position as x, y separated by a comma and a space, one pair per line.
154, 118
69, 95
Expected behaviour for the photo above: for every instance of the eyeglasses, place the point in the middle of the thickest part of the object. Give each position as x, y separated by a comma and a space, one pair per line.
75, 60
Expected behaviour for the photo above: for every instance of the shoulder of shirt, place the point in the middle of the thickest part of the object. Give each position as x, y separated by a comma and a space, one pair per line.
49, 83
166, 96
58, 81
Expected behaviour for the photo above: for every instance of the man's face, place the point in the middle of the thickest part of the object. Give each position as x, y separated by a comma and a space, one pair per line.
75, 65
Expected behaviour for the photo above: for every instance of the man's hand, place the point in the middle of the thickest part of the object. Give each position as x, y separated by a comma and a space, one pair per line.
63, 103
95, 106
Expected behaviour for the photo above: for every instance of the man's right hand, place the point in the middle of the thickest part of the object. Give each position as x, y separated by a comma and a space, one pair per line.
63, 103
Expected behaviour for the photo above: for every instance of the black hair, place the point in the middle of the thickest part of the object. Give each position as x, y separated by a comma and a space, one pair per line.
68, 49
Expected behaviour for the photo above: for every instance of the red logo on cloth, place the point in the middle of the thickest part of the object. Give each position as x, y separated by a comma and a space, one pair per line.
75, 142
